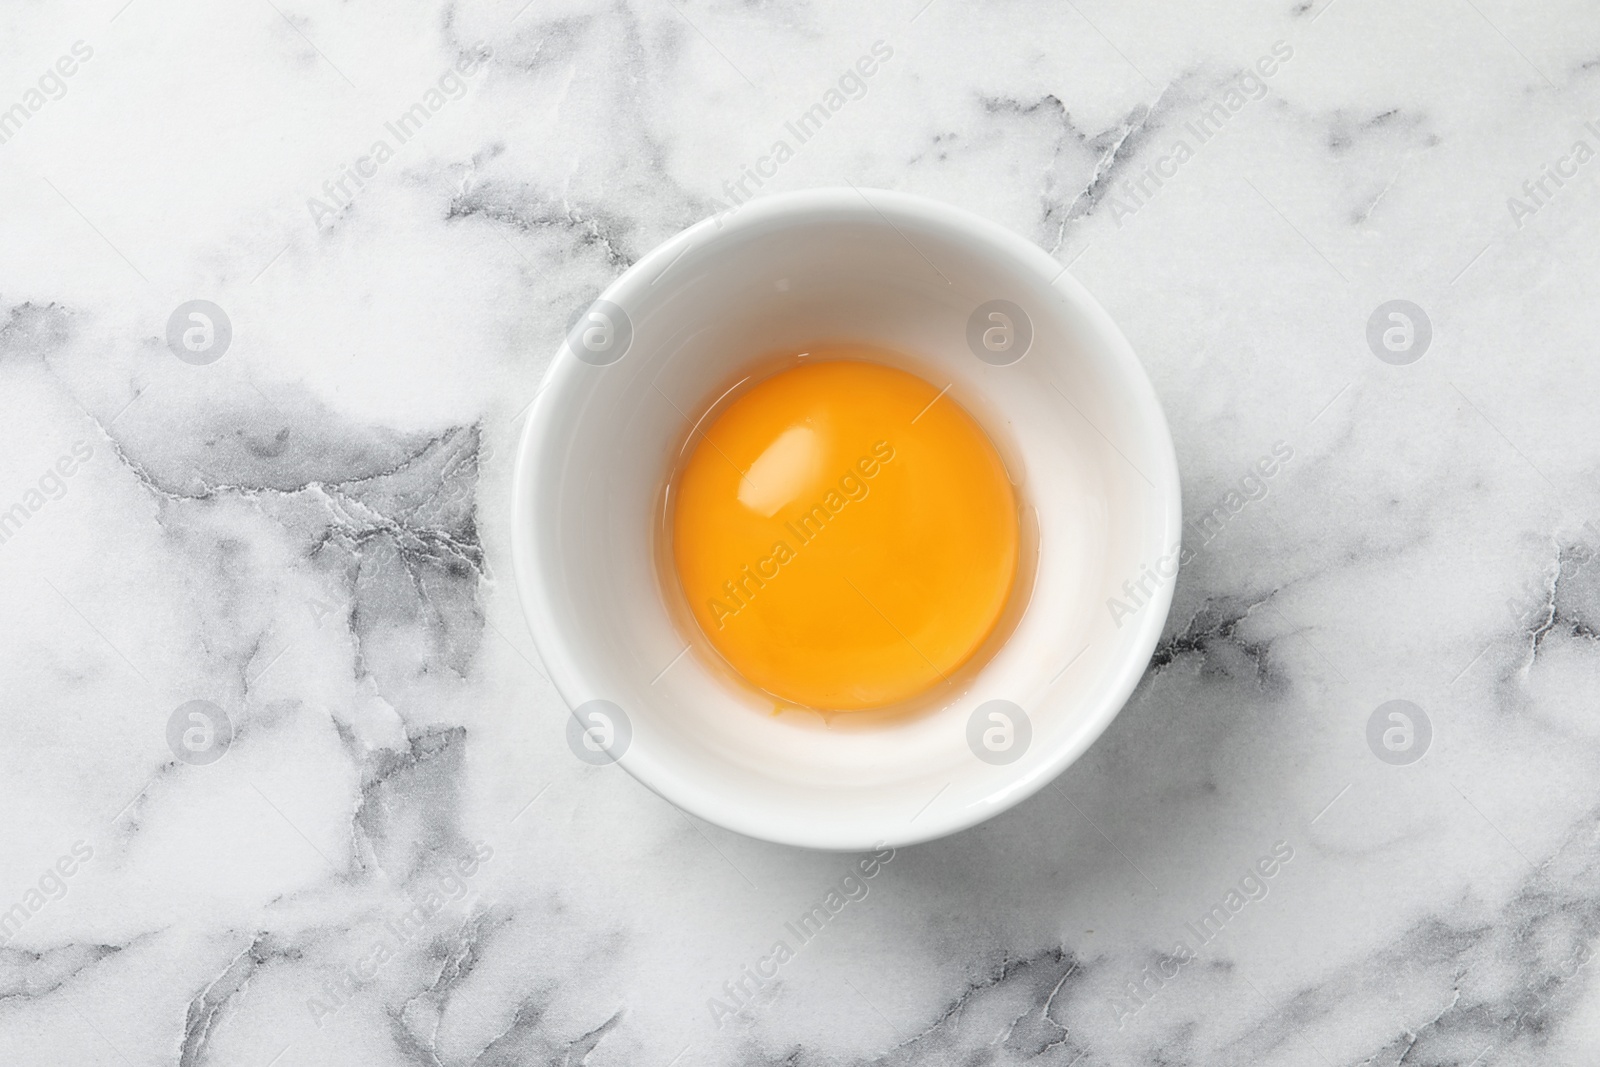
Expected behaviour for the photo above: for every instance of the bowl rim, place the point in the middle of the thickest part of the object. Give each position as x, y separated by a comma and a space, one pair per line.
538, 440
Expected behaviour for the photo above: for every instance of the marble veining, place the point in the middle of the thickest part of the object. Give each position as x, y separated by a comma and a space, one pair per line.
397, 860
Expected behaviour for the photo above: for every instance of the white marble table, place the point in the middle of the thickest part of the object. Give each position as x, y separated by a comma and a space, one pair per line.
303, 524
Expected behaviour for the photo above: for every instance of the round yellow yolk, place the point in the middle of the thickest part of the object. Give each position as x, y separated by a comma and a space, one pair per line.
845, 534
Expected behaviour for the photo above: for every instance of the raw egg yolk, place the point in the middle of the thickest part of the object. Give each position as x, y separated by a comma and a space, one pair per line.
845, 533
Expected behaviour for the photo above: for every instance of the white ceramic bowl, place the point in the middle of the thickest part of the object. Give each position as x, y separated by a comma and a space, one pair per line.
1075, 418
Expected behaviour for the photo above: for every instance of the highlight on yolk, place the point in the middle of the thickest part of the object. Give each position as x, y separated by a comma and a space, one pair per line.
844, 533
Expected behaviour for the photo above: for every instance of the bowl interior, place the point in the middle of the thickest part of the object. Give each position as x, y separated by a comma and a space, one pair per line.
1074, 417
